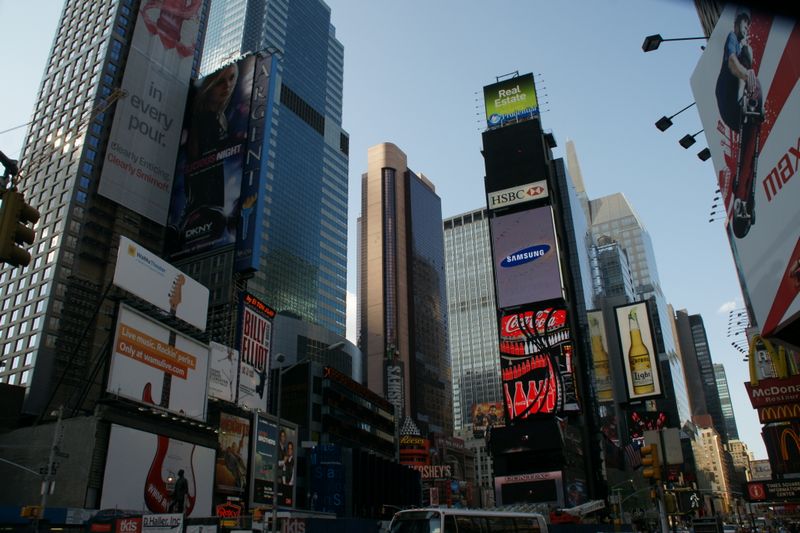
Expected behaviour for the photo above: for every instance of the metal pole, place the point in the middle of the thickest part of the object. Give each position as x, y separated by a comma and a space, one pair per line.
277, 451
49, 474
662, 511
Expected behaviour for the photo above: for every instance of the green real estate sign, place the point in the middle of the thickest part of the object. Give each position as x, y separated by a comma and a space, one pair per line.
510, 100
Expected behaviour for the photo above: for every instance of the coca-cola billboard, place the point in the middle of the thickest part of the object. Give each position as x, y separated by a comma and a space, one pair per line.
536, 362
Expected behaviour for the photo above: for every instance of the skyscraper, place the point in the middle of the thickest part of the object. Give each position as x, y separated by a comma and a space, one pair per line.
725, 402
402, 298
303, 265
471, 314
55, 317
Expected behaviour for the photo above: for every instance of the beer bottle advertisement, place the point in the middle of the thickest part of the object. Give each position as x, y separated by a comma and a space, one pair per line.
602, 370
640, 359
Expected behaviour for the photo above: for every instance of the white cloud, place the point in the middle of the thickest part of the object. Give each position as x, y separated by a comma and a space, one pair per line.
351, 328
727, 307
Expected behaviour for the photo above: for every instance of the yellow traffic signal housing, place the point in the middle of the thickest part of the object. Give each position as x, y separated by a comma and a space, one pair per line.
651, 461
15, 215
258, 514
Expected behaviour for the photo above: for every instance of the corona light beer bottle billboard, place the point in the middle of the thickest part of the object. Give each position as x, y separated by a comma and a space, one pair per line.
602, 372
639, 354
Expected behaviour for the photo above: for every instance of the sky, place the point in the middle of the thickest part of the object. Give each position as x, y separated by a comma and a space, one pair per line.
414, 73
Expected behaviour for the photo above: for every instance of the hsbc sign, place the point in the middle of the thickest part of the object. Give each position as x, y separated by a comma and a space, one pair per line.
517, 195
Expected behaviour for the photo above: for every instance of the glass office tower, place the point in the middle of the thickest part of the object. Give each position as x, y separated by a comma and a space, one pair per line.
471, 314
303, 265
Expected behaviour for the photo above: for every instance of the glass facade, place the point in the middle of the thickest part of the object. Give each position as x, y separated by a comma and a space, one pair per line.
472, 314
725, 403
303, 266
432, 400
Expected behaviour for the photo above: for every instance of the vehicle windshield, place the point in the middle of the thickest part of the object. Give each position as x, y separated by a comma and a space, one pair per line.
417, 522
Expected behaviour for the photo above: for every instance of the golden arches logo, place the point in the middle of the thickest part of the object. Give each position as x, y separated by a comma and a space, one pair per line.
787, 434
778, 413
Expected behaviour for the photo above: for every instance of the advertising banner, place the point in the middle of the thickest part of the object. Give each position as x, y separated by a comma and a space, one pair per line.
536, 487
778, 491
747, 94
510, 100
639, 356
526, 259
147, 276
150, 466
254, 172
153, 364
328, 479
779, 413
162, 523
254, 336
536, 363
603, 383
517, 195
274, 451
204, 211
231, 466
486, 415
774, 391
223, 373
783, 446
760, 470
140, 158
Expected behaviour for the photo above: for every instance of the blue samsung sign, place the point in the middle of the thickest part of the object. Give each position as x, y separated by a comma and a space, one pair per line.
526, 255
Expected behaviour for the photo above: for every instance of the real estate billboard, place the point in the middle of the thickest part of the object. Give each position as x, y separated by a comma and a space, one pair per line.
639, 356
140, 158
747, 93
141, 469
217, 199
144, 274
526, 259
536, 362
510, 100
153, 364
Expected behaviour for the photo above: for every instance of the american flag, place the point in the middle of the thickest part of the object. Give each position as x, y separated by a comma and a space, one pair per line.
632, 456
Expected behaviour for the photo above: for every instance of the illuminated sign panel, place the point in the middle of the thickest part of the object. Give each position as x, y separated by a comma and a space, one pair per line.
639, 356
510, 100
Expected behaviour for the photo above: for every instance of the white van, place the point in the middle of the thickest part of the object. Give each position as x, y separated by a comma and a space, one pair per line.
443, 520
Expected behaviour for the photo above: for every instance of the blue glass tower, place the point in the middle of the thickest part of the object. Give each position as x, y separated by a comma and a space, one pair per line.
303, 259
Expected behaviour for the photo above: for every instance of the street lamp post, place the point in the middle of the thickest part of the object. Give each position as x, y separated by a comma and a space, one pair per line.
618, 489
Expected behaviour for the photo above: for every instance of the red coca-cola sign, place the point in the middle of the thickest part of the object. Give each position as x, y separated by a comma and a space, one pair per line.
510, 324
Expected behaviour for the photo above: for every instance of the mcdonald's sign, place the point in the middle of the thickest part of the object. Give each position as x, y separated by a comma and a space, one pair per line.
774, 391
779, 413
783, 447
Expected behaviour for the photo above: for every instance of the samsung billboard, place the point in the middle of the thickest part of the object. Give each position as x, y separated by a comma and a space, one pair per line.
747, 94
510, 100
526, 262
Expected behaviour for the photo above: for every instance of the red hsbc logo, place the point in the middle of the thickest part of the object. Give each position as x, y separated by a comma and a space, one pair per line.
517, 195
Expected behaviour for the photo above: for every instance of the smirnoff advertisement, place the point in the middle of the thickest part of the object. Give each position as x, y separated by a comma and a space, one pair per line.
536, 362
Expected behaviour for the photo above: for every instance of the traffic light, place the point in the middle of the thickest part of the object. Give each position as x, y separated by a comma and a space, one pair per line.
15, 215
258, 514
31, 511
651, 461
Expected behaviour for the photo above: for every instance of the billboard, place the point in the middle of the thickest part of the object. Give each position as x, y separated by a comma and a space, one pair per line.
223, 372
747, 94
147, 276
601, 377
153, 364
639, 356
140, 158
510, 100
254, 336
536, 363
486, 415
328, 479
526, 260
517, 195
233, 453
782, 440
274, 451
536, 487
149, 464
217, 199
